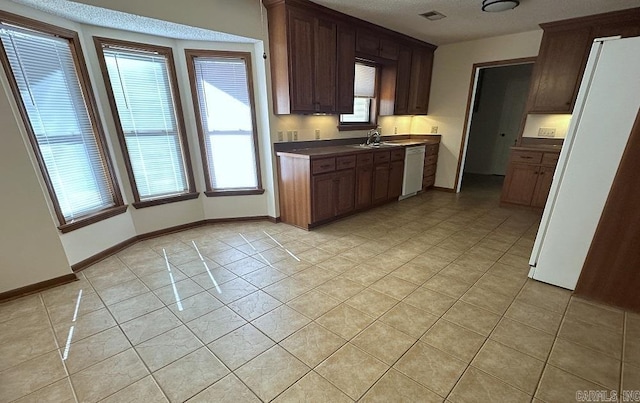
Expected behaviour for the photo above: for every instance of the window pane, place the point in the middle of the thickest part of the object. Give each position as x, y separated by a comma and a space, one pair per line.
44, 70
141, 87
227, 121
365, 81
361, 111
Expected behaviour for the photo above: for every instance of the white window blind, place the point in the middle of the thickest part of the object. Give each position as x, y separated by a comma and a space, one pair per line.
44, 70
364, 94
142, 90
227, 122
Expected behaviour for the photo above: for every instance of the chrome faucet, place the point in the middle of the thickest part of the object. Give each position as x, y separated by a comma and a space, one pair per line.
375, 133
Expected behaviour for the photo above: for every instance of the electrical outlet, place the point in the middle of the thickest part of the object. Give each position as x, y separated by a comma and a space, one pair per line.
317, 134
295, 135
434, 129
289, 135
547, 132
280, 136
395, 130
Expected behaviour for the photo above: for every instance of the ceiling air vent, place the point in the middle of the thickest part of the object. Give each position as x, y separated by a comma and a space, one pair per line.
433, 15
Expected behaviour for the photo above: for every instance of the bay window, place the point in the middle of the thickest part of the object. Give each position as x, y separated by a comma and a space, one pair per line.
222, 93
49, 80
141, 84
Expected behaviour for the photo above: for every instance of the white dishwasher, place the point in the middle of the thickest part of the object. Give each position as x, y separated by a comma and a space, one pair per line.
413, 168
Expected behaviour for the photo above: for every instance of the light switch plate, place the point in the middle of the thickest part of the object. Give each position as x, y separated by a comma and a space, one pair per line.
295, 135
280, 136
547, 132
317, 134
434, 129
289, 135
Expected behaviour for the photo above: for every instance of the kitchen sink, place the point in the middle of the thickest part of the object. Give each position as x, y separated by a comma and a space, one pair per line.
375, 145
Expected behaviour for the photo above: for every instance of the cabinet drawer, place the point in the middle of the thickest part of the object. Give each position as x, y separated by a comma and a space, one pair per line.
365, 159
428, 181
348, 161
431, 159
380, 157
526, 157
323, 165
550, 158
432, 149
429, 170
397, 155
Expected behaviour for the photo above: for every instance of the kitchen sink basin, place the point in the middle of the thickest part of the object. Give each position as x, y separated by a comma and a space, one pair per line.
378, 145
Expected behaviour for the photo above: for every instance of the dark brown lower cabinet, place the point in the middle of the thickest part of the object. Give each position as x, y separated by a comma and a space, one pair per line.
529, 177
396, 171
344, 187
380, 183
364, 183
323, 196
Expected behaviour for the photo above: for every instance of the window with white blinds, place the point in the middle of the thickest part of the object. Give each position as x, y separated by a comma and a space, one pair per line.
364, 95
226, 119
58, 117
141, 85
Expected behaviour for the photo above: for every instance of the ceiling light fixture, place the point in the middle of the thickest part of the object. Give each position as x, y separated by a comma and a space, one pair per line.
496, 6
433, 15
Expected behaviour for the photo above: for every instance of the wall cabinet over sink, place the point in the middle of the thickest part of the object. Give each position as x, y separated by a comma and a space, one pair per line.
313, 50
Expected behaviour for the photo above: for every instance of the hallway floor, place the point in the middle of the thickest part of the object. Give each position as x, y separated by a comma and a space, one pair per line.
422, 300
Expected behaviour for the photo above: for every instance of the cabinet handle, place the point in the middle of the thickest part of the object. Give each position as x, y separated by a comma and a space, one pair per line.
325, 166
526, 157
541, 173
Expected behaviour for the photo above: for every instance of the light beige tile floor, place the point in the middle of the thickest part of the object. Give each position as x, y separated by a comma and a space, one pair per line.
422, 300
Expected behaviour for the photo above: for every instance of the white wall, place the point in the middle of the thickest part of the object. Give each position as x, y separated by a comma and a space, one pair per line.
452, 71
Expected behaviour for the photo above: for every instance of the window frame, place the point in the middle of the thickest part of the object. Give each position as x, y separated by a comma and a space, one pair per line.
191, 193
375, 104
191, 55
92, 109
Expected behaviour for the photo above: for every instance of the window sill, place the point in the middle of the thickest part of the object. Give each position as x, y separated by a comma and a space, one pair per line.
92, 219
362, 126
238, 192
166, 200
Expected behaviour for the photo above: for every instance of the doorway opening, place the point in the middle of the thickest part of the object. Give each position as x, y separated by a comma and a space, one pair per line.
497, 100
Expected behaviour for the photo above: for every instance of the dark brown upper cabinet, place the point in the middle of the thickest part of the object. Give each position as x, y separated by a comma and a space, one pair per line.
305, 50
369, 43
563, 56
313, 52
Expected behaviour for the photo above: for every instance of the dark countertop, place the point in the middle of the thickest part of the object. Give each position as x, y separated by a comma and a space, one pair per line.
542, 147
332, 151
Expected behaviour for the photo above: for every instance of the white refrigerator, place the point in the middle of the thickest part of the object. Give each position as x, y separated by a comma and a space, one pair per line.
605, 110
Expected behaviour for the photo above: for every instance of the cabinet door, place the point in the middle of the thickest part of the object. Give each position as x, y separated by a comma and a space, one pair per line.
520, 184
403, 79
380, 182
346, 69
543, 186
364, 183
559, 69
325, 66
367, 43
420, 86
388, 49
301, 70
345, 182
322, 197
396, 171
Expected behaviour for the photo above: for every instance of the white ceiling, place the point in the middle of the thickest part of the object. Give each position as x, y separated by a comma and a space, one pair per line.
465, 20
102, 17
